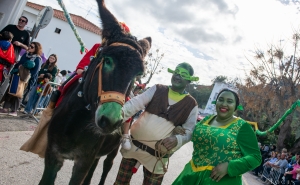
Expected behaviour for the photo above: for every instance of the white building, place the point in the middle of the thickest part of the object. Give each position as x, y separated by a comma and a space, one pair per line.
58, 37
10, 11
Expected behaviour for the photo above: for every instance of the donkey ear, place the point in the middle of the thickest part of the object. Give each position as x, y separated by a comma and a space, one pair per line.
145, 45
110, 24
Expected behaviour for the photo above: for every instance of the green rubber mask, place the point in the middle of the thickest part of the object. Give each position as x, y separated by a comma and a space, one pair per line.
183, 73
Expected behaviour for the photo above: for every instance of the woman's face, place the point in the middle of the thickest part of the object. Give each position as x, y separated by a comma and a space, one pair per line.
225, 105
52, 59
31, 48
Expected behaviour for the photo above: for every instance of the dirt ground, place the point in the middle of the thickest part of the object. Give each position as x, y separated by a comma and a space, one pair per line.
10, 123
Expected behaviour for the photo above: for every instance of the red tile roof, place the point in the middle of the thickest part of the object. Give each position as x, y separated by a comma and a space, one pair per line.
77, 20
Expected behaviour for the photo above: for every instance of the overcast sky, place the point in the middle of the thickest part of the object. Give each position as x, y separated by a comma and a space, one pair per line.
214, 36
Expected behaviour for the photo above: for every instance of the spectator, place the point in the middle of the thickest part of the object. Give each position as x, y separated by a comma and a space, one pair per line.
69, 73
7, 56
50, 66
292, 175
64, 76
295, 158
284, 150
21, 36
297, 182
32, 61
281, 164
259, 145
40, 90
272, 148
259, 169
290, 156
266, 148
280, 161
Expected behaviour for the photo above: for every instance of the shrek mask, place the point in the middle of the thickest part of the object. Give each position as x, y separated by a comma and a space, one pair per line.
183, 73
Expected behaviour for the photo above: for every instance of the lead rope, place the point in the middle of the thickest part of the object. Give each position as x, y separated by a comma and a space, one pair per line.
159, 154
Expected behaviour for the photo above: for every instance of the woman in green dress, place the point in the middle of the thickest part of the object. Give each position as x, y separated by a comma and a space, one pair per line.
225, 147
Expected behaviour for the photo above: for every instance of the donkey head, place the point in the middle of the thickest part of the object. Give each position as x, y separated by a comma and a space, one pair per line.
122, 57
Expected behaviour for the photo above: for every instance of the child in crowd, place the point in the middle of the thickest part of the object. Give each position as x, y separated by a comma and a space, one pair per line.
61, 76
41, 85
7, 56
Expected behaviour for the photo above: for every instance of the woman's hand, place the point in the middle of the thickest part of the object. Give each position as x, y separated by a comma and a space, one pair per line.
219, 172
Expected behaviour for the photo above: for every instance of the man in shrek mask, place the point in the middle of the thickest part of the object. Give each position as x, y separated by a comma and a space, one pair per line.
165, 125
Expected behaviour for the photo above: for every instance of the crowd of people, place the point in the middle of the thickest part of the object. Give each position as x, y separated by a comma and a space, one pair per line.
280, 167
29, 74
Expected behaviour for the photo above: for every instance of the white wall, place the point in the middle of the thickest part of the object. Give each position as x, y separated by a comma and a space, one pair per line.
65, 44
10, 11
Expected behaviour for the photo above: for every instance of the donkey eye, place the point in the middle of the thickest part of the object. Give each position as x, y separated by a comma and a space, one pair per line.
108, 60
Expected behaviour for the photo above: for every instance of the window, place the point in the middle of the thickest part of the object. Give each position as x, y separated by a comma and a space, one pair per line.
57, 30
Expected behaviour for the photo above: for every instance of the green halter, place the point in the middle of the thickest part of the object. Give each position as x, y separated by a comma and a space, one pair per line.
183, 73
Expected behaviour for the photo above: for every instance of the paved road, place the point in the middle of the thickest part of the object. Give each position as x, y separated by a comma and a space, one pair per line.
22, 168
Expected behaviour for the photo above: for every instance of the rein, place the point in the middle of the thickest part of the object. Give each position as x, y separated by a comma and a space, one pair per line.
159, 155
109, 96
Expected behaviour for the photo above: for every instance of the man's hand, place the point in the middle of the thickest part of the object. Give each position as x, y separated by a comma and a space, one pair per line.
219, 172
170, 142
17, 43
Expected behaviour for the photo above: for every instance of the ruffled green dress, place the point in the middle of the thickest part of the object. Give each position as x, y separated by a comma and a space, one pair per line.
234, 143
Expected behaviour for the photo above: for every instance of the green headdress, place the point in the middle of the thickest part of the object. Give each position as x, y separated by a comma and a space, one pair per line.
183, 72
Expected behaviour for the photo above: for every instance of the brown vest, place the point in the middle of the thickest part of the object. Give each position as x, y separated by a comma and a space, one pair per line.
177, 113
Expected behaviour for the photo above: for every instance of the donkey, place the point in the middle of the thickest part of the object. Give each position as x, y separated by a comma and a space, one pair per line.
85, 125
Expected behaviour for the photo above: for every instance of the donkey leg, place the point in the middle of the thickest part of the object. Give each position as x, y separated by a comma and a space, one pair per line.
89, 176
53, 163
81, 168
107, 164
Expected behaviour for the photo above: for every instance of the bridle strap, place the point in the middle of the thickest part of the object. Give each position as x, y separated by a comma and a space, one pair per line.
109, 96
114, 96
100, 65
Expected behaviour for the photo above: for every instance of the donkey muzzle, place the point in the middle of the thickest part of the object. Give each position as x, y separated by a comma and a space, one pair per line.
108, 116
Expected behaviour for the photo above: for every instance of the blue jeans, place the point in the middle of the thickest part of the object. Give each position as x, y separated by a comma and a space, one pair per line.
46, 101
32, 101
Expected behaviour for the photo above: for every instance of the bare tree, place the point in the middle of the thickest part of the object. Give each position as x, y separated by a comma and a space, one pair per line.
153, 64
271, 87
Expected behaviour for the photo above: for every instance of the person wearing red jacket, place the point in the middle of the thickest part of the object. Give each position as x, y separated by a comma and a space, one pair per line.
85, 61
7, 56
